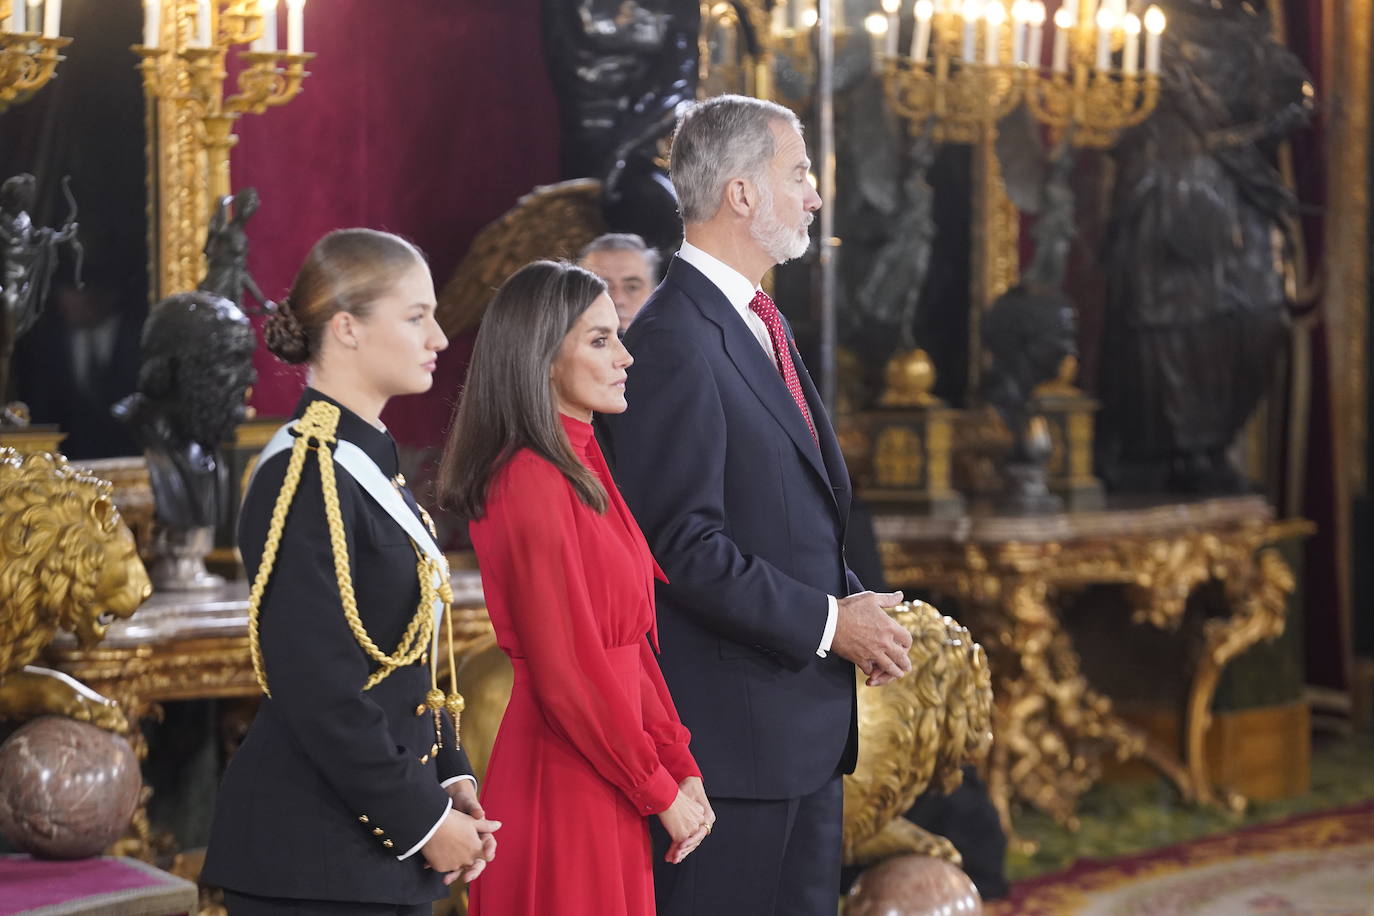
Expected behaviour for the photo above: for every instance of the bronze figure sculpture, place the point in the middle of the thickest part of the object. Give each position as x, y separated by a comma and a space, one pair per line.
197, 369
1197, 250
226, 249
28, 258
621, 68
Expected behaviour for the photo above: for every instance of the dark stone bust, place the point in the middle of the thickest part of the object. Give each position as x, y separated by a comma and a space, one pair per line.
197, 368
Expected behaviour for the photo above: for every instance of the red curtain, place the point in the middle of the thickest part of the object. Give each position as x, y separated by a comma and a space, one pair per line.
428, 118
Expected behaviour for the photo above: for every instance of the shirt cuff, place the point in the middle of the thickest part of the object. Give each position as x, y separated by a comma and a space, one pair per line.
452, 779
425, 839
828, 636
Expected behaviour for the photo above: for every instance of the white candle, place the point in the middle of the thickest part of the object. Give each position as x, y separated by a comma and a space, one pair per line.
1070, 8
1035, 41
52, 18
920, 39
33, 22
16, 20
809, 17
1105, 24
970, 17
1019, 15
1130, 46
836, 15
203, 23
152, 23
1063, 21
994, 16
1154, 25
295, 26
779, 17
893, 26
876, 25
267, 42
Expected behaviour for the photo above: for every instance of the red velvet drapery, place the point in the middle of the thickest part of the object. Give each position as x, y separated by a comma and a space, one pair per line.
427, 118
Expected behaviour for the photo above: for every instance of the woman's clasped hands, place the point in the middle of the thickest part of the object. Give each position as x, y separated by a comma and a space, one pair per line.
688, 819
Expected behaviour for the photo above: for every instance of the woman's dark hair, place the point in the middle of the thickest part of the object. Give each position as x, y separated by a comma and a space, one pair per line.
507, 402
347, 271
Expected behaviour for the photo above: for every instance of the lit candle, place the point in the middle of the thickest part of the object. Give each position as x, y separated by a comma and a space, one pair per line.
994, 15
1035, 41
970, 17
1106, 23
876, 25
267, 42
779, 17
809, 17
203, 23
1154, 25
295, 26
34, 20
1063, 21
152, 22
893, 26
1070, 8
16, 21
836, 15
1130, 46
52, 18
920, 40
1019, 14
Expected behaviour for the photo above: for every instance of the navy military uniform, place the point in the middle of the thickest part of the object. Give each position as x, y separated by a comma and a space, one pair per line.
335, 789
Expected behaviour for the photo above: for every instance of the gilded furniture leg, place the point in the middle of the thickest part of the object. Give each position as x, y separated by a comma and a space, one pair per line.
1257, 589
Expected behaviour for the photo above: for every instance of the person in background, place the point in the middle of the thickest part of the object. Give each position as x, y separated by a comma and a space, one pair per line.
629, 268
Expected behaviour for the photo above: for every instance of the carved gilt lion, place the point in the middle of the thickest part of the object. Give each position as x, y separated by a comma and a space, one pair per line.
67, 561
915, 733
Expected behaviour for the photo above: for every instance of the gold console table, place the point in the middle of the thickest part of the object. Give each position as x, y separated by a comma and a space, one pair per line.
1051, 728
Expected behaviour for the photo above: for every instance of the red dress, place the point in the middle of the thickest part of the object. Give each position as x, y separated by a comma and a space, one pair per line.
590, 744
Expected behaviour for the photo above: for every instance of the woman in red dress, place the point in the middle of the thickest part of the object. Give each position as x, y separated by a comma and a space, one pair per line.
590, 744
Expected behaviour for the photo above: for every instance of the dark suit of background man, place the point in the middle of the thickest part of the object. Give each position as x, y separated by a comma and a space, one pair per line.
729, 463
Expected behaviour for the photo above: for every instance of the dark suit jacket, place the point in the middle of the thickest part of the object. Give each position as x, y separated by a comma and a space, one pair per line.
746, 514
329, 786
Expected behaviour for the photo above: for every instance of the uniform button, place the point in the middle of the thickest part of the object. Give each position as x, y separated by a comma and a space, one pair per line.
434, 750
420, 710
377, 831
388, 844
362, 818
424, 760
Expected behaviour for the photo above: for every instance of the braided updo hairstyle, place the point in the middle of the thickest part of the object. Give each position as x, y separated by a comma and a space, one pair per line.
347, 271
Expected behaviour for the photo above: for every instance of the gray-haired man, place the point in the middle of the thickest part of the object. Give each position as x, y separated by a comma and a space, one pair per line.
629, 267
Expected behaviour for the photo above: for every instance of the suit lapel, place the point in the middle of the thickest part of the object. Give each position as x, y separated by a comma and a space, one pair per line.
835, 470
760, 373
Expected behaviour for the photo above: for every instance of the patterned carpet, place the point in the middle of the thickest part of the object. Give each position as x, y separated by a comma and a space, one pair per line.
1318, 864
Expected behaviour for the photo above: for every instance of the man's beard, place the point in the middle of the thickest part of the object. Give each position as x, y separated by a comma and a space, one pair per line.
780, 241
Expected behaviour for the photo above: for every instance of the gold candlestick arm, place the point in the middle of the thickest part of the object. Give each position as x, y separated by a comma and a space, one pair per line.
27, 62
262, 84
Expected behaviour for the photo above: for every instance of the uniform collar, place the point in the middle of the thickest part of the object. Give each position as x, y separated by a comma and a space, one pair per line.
376, 443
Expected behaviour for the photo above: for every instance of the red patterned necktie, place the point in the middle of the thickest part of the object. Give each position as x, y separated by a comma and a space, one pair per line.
765, 308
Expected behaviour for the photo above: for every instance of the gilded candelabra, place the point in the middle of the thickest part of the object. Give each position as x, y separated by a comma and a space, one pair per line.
184, 61
28, 49
969, 65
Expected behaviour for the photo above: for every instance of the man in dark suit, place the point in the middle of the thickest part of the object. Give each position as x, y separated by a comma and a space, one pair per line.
729, 463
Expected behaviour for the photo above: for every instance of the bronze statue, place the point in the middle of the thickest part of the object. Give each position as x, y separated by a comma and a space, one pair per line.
197, 369
1027, 334
69, 561
28, 258
898, 274
226, 249
1054, 228
621, 68
1197, 313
